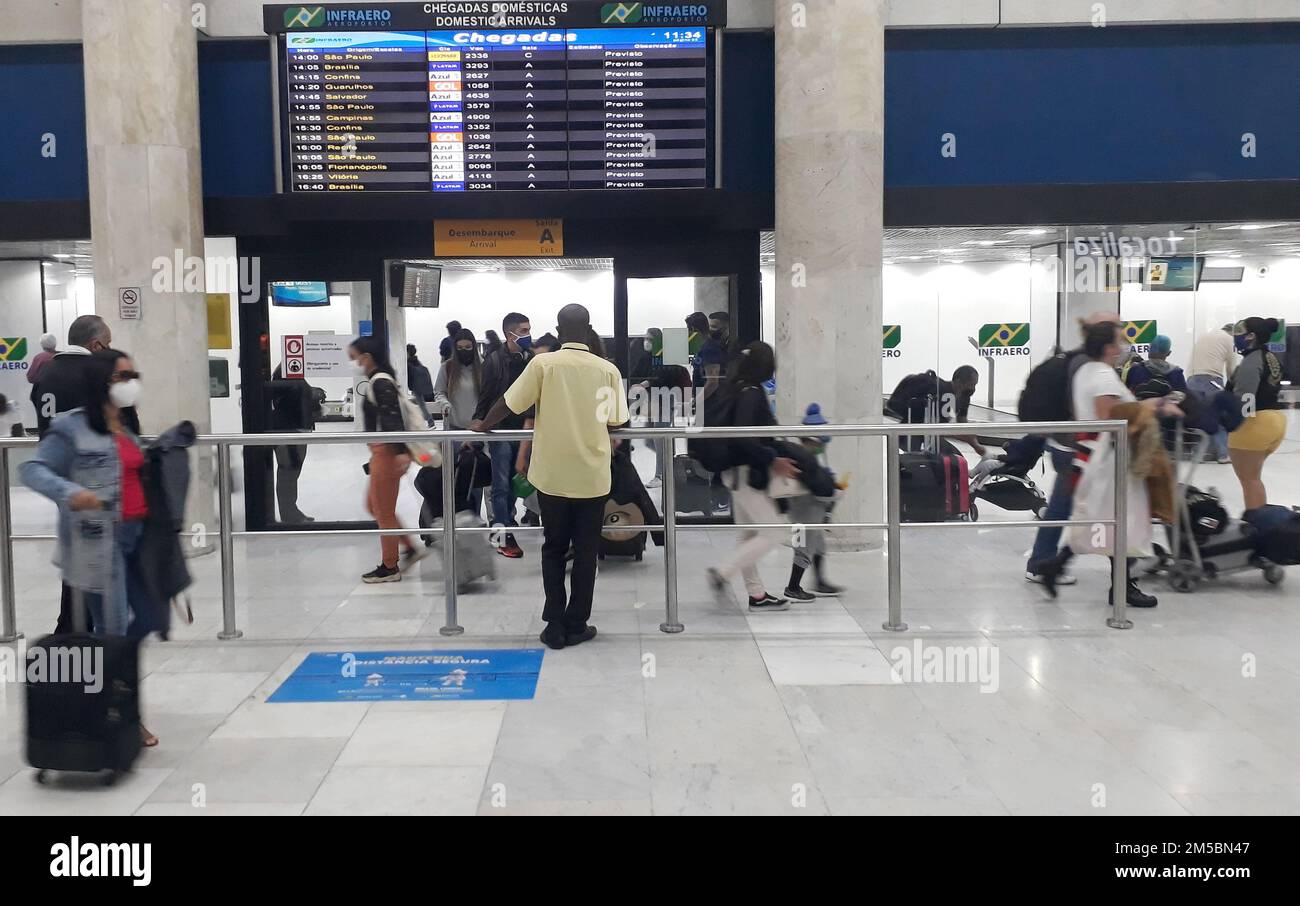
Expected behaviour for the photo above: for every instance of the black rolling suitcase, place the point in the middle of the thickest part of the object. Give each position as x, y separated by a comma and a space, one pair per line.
83, 702
934, 481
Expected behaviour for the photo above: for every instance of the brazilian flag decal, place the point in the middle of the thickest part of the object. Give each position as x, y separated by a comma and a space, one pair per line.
621, 13
995, 335
893, 336
1140, 331
13, 349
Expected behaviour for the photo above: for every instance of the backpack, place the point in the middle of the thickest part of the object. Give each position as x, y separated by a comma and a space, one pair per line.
1046, 397
425, 454
715, 453
910, 390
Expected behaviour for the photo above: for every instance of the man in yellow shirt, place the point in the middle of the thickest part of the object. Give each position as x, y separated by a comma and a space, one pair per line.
579, 397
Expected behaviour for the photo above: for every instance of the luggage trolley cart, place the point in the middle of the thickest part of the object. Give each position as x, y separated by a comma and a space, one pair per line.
1194, 556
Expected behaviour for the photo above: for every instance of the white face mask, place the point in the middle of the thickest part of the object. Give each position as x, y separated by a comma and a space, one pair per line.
649, 346
126, 394
358, 369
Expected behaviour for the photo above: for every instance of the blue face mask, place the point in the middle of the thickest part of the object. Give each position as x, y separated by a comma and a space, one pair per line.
525, 342
1240, 342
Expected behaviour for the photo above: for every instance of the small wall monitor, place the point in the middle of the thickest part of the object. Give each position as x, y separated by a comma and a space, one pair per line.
300, 294
1177, 275
421, 286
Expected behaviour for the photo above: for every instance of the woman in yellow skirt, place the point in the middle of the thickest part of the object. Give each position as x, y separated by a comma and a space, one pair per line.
1256, 384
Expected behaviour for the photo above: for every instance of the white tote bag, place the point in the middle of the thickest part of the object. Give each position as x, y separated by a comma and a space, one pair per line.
424, 454
1093, 499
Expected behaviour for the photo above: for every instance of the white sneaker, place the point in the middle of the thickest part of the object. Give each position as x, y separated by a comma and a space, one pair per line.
654, 483
1062, 579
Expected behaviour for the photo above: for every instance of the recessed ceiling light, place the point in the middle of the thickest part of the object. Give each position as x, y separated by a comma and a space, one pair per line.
1037, 231
1254, 226
62, 255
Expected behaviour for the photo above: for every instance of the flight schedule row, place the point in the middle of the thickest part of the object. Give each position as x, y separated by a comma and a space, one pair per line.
470, 111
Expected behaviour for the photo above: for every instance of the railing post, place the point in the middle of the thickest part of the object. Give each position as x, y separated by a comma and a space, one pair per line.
1119, 538
449, 537
225, 526
671, 622
8, 606
894, 535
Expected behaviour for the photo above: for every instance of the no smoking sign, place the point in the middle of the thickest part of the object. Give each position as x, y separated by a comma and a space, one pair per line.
128, 303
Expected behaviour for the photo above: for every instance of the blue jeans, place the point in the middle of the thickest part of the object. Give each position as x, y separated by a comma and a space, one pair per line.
128, 610
503, 454
1207, 387
1059, 506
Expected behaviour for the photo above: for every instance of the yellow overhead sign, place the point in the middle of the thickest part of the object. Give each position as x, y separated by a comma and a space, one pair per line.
498, 238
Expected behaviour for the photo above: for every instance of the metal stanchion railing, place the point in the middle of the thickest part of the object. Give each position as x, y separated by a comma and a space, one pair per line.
452, 627
226, 527
8, 606
449, 440
894, 537
1119, 539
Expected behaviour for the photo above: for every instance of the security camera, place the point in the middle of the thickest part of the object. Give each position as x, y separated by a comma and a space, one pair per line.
1263, 270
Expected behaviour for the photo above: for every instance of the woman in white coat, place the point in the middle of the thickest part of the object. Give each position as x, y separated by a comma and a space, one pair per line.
1095, 391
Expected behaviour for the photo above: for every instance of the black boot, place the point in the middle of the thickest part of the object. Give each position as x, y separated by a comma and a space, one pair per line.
1135, 597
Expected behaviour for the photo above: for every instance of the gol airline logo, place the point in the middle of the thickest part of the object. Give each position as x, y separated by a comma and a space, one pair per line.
304, 17
892, 337
621, 13
1004, 340
13, 352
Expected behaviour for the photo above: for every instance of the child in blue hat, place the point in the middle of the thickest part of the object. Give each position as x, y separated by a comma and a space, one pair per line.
810, 510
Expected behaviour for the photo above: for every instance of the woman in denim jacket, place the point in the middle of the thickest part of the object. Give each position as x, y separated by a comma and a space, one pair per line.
90, 464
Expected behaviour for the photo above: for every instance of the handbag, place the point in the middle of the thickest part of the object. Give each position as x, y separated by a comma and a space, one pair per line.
781, 486
424, 454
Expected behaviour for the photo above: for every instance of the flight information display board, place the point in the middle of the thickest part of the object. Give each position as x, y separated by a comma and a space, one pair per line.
466, 109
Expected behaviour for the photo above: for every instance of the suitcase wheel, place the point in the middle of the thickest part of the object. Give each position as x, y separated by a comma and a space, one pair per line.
973, 514
110, 777
42, 776
639, 557
1274, 574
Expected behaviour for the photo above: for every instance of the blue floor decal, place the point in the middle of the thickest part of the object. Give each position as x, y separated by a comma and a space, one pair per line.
492, 674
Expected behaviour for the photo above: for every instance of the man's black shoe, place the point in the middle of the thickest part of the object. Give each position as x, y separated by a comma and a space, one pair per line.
553, 639
577, 638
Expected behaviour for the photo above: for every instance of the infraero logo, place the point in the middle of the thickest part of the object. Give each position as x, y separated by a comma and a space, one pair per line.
13, 350
890, 340
621, 13
304, 17
1004, 339
1140, 331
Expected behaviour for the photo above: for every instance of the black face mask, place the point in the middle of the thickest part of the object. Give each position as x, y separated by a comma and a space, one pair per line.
718, 334
465, 356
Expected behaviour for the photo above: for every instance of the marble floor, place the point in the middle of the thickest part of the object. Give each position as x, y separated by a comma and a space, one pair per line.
1034, 706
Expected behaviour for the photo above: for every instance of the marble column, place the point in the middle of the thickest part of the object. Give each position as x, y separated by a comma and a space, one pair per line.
830, 59
146, 207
